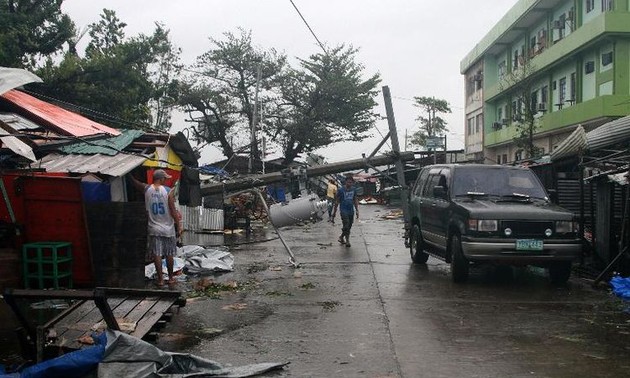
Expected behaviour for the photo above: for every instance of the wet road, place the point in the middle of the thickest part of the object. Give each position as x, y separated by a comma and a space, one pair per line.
367, 311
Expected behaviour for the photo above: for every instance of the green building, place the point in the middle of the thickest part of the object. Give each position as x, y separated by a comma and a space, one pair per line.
566, 62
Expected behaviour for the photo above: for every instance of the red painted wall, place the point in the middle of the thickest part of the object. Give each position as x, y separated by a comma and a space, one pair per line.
50, 208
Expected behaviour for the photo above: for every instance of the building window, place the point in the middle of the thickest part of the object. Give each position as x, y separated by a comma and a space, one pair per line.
562, 83
607, 5
533, 102
504, 158
543, 95
589, 67
518, 155
572, 99
471, 125
500, 114
590, 5
607, 58
502, 69
478, 123
498, 159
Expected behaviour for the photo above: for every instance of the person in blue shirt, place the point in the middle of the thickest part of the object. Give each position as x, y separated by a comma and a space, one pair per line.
347, 203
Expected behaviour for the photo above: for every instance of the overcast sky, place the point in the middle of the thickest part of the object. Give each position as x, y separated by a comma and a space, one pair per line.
416, 45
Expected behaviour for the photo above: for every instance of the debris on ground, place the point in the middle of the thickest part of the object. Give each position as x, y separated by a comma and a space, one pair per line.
116, 354
235, 307
393, 214
207, 287
329, 305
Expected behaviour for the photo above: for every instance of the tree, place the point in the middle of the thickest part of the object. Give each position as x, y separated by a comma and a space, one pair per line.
219, 97
431, 124
127, 83
521, 82
32, 29
326, 101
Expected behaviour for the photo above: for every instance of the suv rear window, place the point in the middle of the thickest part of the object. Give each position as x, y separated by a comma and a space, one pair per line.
497, 181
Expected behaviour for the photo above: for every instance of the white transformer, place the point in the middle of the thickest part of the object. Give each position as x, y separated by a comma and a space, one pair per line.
297, 210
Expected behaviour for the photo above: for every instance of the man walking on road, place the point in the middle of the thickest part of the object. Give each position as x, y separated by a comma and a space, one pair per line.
347, 202
163, 220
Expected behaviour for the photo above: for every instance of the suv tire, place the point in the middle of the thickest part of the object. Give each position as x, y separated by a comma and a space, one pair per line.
559, 272
416, 246
459, 264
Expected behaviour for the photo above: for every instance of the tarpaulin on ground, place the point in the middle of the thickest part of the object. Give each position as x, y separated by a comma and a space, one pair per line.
128, 356
195, 260
116, 354
621, 286
200, 260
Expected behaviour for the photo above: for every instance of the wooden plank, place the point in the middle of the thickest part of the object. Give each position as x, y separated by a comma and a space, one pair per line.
142, 308
83, 325
126, 307
123, 308
151, 317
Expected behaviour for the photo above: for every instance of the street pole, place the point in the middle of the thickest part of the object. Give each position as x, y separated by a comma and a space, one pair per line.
400, 172
252, 148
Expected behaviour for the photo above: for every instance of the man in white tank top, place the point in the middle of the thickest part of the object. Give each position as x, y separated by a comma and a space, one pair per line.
163, 223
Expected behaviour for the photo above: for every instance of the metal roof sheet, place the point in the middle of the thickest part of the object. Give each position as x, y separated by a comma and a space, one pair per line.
17, 122
56, 117
117, 165
15, 77
109, 146
609, 134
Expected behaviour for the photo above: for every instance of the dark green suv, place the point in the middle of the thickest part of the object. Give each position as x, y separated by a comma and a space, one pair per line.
498, 214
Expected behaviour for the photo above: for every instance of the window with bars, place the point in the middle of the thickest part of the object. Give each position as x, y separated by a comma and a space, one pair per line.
589, 5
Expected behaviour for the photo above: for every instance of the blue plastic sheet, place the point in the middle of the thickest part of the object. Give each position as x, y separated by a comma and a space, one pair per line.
74, 364
621, 286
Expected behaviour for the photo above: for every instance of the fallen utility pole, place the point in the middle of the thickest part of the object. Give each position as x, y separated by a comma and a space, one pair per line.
313, 171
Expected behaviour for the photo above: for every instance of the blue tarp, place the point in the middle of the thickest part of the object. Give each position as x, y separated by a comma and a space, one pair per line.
621, 286
210, 170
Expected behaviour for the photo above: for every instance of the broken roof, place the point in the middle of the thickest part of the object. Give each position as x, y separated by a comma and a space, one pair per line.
116, 165
55, 117
108, 146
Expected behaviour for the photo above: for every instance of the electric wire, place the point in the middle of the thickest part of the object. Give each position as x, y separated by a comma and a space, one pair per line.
309, 27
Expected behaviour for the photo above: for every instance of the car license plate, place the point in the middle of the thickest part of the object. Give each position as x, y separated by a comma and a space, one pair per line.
529, 245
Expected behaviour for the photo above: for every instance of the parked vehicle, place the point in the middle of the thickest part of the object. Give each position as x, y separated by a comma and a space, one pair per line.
473, 213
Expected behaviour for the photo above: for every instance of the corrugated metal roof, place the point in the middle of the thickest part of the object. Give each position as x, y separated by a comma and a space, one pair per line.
117, 165
55, 117
108, 146
17, 122
609, 134
572, 145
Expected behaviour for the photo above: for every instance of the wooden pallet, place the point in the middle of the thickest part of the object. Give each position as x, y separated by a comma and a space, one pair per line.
132, 311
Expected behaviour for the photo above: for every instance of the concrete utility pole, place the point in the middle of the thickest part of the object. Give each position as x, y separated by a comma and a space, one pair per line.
400, 170
252, 149
314, 171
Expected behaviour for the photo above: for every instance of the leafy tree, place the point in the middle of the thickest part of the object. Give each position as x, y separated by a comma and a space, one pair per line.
30, 30
324, 102
121, 82
522, 82
220, 96
431, 123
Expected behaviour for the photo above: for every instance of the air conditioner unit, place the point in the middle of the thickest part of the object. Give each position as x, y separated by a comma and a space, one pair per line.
542, 107
478, 77
496, 125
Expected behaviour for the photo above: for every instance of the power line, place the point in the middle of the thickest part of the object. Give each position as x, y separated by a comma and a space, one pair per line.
309, 27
